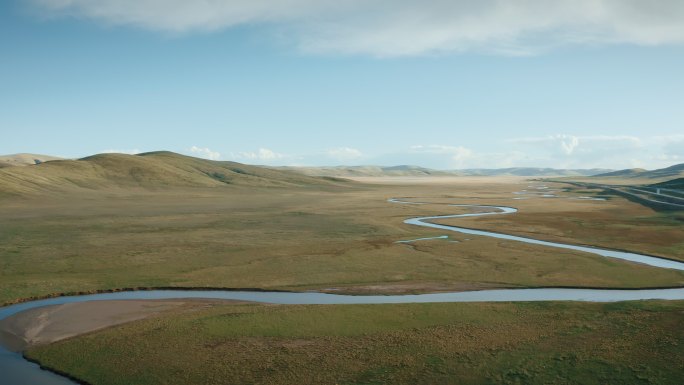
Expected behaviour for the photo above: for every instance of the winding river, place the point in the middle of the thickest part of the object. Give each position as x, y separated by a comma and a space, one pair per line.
14, 370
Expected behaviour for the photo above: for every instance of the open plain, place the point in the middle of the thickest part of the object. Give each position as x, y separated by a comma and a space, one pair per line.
336, 236
322, 238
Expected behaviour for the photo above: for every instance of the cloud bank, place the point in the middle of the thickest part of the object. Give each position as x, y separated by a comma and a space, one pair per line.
262, 155
402, 27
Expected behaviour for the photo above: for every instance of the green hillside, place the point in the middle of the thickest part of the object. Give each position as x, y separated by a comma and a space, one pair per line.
677, 184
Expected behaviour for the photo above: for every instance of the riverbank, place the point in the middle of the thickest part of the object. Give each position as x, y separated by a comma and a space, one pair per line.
48, 324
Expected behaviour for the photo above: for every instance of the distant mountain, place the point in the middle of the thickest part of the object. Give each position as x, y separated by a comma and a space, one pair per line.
24, 159
532, 171
624, 173
154, 170
360, 171
671, 172
405, 170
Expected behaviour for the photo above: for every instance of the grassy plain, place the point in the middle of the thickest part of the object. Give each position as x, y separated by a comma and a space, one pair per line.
341, 237
511, 343
319, 237
614, 223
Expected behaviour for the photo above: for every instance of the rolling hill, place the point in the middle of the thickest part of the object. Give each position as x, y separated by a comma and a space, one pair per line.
623, 173
153, 170
672, 172
675, 171
24, 159
675, 184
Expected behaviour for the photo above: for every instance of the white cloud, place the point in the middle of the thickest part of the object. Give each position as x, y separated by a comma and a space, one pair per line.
607, 151
344, 154
263, 154
556, 151
404, 27
130, 152
458, 156
440, 149
204, 152
566, 144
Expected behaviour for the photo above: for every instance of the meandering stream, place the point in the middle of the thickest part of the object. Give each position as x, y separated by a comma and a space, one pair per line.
14, 370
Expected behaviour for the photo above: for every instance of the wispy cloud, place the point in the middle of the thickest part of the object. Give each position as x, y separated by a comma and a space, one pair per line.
563, 142
344, 154
205, 153
556, 151
404, 27
263, 154
610, 151
673, 149
458, 155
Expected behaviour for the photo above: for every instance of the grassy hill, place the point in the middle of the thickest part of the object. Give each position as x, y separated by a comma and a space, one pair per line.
676, 171
676, 184
153, 170
623, 173
24, 159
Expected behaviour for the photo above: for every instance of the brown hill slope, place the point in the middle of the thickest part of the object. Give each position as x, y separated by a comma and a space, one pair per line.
24, 159
672, 172
154, 170
630, 172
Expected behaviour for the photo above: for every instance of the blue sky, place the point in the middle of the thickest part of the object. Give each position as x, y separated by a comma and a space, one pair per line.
441, 84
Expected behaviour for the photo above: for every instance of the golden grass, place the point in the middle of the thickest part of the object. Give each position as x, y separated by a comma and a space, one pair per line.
150, 171
317, 238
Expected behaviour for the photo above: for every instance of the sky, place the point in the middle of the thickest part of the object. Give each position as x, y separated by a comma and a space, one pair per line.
445, 84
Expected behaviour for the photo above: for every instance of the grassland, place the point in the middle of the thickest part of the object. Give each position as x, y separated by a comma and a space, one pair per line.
320, 237
297, 239
613, 224
520, 343
123, 223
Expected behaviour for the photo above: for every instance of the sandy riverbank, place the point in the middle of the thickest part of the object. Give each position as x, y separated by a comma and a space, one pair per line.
53, 323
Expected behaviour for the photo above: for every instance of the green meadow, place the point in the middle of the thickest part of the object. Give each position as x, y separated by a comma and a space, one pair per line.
452, 343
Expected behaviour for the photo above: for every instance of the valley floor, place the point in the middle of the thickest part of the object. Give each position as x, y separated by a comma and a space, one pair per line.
344, 240
323, 239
